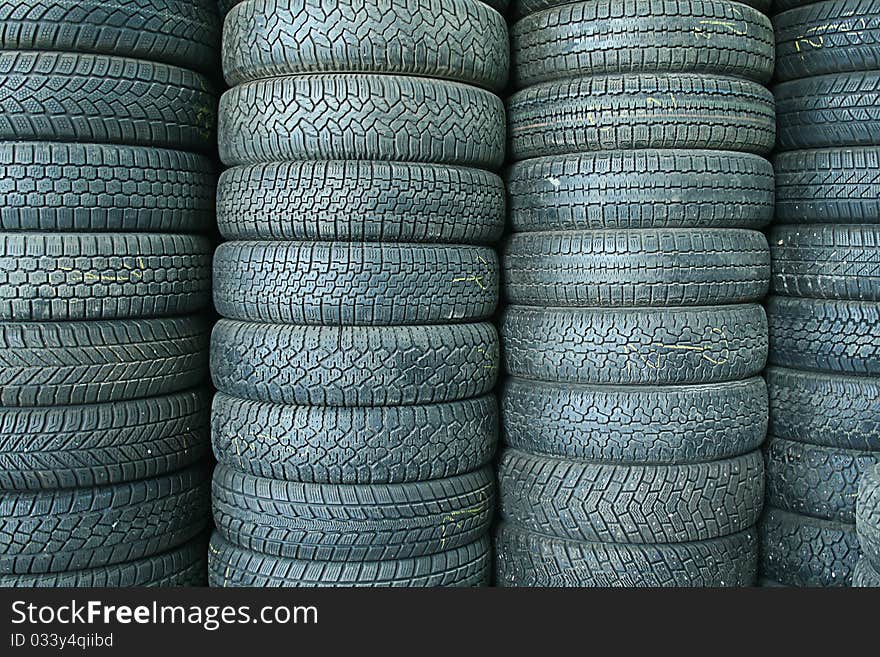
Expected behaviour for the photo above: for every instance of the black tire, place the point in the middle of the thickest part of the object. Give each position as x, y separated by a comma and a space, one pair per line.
75, 529
183, 566
333, 283
803, 551
840, 185
520, 8
69, 363
528, 559
354, 366
373, 117
633, 346
457, 40
50, 276
360, 201
180, 32
600, 38
868, 515
102, 187
680, 111
829, 336
865, 575
829, 111
826, 262
100, 444
361, 445
814, 480
230, 565
825, 409
635, 424
610, 503
53, 96
641, 189
827, 37
645, 267
367, 522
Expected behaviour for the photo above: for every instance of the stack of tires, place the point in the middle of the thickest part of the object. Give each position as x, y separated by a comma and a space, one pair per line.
867, 570
825, 312
634, 336
104, 411
355, 421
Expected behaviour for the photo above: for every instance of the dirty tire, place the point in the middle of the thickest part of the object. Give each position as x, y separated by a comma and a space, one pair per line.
809, 552
458, 40
644, 267
71, 363
835, 185
354, 366
633, 346
678, 111
360, 201
833, 410
829, 111
99, 444
103, 187
528, 559
332, 283
374, 117
599, 38
233, 566
50, 96
361, 445
641, 189
829, 336
865, 575
181, 32
520, 8
182, 566
813, 480
868, 515
50, 276
635, 424
76, 529
826, 262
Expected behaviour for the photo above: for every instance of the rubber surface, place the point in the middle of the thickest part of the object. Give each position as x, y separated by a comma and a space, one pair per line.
49, 96
640, 36
360, 201
825, 409
865, 575
834, 185
229, 565
868, 515
46, 277
354, 366
361, 445
457, 40
76, 529
641, 189
181, 32
635, 424
331, 283
830, 336
644, 267
103, 187
69, 363
635, 346
82, 446
361, 117
619, 112
528, 559
519, 8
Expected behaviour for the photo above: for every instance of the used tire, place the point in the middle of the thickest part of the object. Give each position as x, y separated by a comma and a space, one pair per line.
641, 189
354, 366
646, 267
332, 283
679, 111
865, 575
50, 276
360, 201
868, 515
520, 8
71, 363
373, 117
633, 346
360, 445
